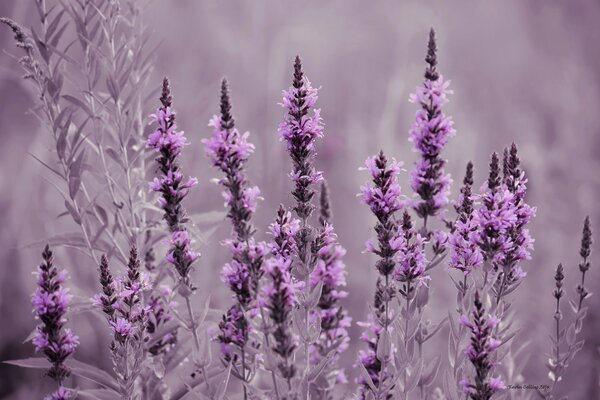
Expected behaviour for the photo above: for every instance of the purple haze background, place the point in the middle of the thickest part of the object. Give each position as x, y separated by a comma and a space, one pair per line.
523, 71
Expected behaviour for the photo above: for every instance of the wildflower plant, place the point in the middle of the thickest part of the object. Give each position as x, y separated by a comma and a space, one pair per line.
285, 334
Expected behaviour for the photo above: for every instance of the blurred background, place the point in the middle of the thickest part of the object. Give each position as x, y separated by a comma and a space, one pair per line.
523, 71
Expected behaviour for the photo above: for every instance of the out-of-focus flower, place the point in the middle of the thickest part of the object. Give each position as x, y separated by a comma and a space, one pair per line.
429, 134
50, 303
60, 394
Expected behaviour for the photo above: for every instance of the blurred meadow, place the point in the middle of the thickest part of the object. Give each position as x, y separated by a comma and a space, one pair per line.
522, 71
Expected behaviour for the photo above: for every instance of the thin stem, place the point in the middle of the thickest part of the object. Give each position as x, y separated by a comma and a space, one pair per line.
265, 330
193, 328
244, 373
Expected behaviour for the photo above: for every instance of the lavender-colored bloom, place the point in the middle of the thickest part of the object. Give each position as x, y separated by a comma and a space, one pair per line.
495, 217
410, 260
300, 130
383, 198
60, 394
520, 239
465, 254
168, 143
429, 134
50, 303
278, 295
234, 330
480, 353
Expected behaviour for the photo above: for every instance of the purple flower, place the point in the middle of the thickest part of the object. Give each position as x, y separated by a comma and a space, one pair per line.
411, 261
520, 239
278, 294
495, 216
234, 330
480, 353
429, 134
300, 130
60, 394
122, 328
383, 198
229, 150
50, 303
169, 142
465, 254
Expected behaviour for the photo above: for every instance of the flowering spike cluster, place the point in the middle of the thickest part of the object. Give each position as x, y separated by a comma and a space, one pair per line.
50, 303
496, 216
429, 134
122, 302
480, 353
278, 295
300, 130
515, 181
169, 142
383, 198
234, 331
465, 255
410, 260
229, 150
331, 272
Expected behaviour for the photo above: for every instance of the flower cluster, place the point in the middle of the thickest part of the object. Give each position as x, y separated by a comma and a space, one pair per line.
60, 394
465, 255
279, 294
121, 300
410, 260
429, 134
168, 142
300, 130
383, 198
518, 234
229, 150
480, 353
495, 217
50, 303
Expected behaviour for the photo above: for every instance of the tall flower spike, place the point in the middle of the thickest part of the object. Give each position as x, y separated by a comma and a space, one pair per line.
429, 134
168, 142
480, 353
584, 266
465, 255
278, 295
495, 216
383, 198
300, 130
50, 304
519, 243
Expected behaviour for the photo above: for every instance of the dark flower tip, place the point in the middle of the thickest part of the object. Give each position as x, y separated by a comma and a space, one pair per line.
166, 98
494, 178
586, 239
16, 28
558, 279
298, 73
326, 214
227, 121
468, 180
431, 58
